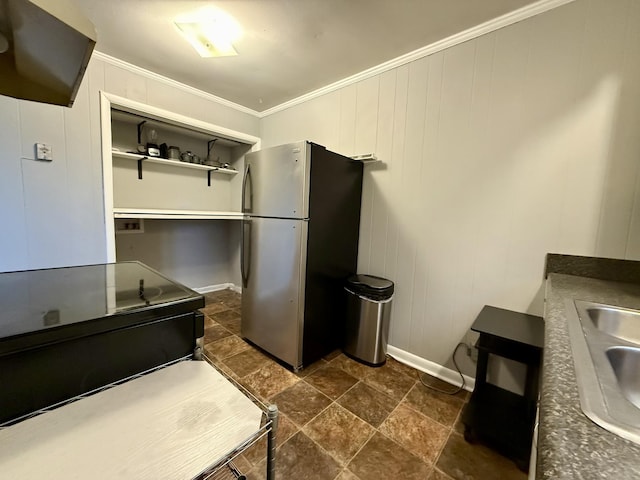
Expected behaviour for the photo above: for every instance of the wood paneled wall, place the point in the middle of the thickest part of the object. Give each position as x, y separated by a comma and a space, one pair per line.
52, 214
494, 152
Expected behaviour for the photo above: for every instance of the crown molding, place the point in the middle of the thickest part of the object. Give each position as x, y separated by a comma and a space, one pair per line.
464, 36
172, 83
484, 28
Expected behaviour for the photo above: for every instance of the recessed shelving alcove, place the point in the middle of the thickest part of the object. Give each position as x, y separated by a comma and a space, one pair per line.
190, 205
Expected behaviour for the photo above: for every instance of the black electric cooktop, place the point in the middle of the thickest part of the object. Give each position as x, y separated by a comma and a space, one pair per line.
51, 305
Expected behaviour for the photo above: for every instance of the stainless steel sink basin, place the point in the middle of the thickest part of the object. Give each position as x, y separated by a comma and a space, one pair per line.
605, 341
625, 362
617, 322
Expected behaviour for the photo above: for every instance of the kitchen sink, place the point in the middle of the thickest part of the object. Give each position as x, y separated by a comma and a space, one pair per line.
605, 341
617, 322
625, 362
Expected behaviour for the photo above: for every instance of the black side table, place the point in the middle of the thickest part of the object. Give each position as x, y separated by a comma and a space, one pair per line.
495, 416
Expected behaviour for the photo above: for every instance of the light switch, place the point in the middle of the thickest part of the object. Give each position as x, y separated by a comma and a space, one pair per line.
44, 152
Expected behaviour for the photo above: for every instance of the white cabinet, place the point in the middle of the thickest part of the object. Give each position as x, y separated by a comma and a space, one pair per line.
190, 210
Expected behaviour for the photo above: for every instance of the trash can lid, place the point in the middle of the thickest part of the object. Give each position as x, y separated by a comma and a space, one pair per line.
377, 288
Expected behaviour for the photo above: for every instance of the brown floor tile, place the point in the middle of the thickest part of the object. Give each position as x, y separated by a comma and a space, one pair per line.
415, 432
368, 403
226, 347
208, 323
301, 402
213, 308
346, 475
235, 303
215, 332
224, 369
257, 453
227, 297
460, 459
269, 380
383, 458
306, 371
331, 381
301, 458
221, 294
438, 475
442, 385
246, 362
350, 366
339, 432
409, 435
226, 316
256, 473
242, 464
401, 367
439, 406
214, 296
234, 327
458, 426
390, 381
229, 319
233, 300
330, 356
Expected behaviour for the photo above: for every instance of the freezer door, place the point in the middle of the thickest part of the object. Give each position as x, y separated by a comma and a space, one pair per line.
273, 271
276, 181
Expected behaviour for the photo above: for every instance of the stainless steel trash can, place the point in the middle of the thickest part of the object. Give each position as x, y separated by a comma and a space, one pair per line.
368, 312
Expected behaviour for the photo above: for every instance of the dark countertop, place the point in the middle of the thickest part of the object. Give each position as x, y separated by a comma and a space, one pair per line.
51, 305
68, 331
570, 446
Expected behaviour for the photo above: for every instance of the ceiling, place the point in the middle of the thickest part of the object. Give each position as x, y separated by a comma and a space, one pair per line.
289, 47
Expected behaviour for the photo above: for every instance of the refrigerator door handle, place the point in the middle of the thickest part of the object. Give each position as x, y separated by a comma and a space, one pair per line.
245, 252
246, 180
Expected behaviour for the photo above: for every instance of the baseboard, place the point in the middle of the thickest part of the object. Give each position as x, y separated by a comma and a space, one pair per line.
215, 288
432, 368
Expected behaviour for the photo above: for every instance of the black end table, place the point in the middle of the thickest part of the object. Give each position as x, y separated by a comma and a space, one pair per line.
495, 416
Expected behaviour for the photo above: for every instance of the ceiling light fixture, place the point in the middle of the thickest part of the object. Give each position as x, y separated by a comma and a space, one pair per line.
211, 32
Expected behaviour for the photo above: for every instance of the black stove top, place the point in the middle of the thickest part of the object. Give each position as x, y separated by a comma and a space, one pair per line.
36, 301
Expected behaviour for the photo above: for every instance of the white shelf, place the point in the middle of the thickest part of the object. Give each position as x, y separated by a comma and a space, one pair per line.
172, 423
366, 159
173, 163
165, 124
176, 214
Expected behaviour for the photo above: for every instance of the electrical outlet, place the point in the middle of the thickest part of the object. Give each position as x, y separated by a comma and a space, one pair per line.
129, 225
44, 152
472, 352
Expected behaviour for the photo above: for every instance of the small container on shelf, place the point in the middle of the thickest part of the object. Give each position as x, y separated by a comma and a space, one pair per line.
152, 145
173, 153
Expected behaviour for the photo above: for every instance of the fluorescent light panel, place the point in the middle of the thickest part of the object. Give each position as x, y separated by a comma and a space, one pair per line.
211, 33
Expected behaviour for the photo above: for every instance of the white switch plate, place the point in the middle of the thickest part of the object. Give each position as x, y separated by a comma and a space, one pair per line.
43, 152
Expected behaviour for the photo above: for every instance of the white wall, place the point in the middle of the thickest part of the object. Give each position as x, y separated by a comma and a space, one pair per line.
52, 214
196, 253
496, 151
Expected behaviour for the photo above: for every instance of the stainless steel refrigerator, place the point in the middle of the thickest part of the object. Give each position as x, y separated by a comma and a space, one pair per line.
299, 244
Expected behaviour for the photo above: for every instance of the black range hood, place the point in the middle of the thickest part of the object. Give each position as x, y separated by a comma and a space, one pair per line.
45, 46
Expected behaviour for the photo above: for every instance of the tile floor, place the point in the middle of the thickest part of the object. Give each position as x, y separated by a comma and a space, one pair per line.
341, 420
